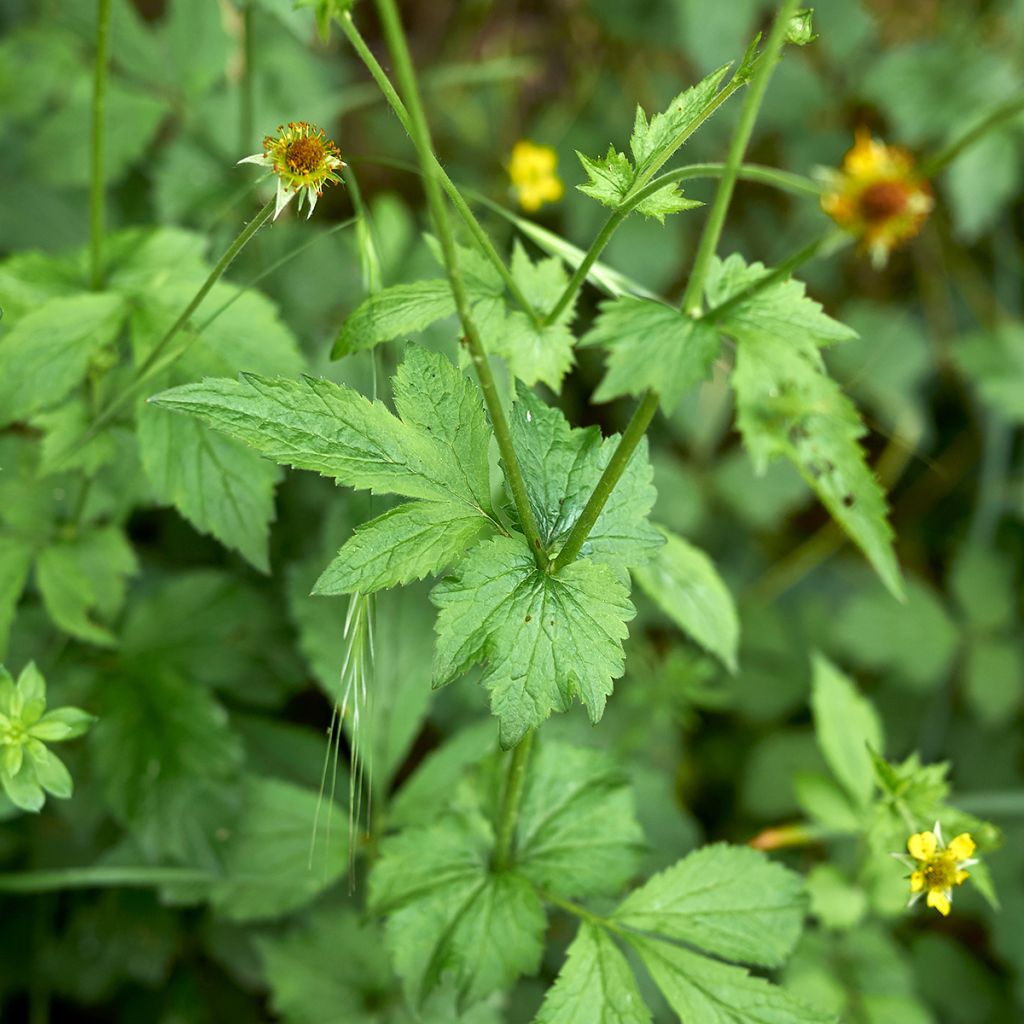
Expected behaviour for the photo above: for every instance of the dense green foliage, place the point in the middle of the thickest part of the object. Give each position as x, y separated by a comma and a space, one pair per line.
307, 567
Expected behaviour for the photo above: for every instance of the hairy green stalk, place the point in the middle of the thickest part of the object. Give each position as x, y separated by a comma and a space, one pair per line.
480, 236
931, 166
644, 413
420, 133
153, 364
508, 818
97, 186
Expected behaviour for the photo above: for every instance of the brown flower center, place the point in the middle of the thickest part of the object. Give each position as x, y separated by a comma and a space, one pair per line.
304, 155
882, 200
939, 874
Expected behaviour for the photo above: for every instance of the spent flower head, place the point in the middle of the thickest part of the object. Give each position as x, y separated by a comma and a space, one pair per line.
877, 195
533, 170
304, 161
936, 867
27, 767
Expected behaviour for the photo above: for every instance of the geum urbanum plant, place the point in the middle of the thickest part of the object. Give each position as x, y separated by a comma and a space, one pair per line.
536, 574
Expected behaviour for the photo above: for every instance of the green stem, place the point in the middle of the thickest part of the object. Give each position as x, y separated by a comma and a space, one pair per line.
509, 816
420, 134
577, 910
461, 207
247, 87
152, 364
99, 878
648, 406
931, 166
734, 158
97, 193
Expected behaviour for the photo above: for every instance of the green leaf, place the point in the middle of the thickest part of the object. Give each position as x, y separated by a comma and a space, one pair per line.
84, 575
47, 353
730, 901
699, 989
594, 985
406, 543
651, 346
653, 143
395, 312
576, 834
435, 452
220, 486
536, 353
545, 639
685, 585
562, 465
450, 915
16, 557
168, 763
266, 856
50, 771
982, 581
847, 727
787, 405
22, 789
611, 177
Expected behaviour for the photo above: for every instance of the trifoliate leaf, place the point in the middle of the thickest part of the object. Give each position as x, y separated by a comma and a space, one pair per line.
700, 989
406, 543
545, 639
685, 585
847, 727
730, 901
436, 451
595, 985
451, 916
651, 346
48, 351
585, 840
562, 465
168, 763
787, 405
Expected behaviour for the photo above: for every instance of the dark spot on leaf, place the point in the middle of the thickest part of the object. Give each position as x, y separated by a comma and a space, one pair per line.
528, 618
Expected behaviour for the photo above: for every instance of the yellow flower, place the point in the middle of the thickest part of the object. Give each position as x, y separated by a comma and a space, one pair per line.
533, 173
877, 196
938, 867
304, 160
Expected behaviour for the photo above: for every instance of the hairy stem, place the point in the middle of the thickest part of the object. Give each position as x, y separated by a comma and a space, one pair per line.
153, 364
97, 193
114, 876
515, 780
420, 133
734, 158
648, 406
931, 166
461, 207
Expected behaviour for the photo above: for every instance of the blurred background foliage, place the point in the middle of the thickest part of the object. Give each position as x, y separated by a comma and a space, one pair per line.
214, 701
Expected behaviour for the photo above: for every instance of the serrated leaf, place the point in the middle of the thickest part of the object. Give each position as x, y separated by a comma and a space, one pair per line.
168, 763
611, 177
47, 352
653, 143
594, 985
451, 916
651, 346
562, 465
576, 834
847, 727
406, 543
333, 430
730, 901
699, 989
787, 405
545, 639
220, 486
685, 585
402, 309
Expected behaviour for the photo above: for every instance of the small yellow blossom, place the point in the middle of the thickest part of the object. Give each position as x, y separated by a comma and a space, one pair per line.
534, 177
877, 196
304, 160
937, 868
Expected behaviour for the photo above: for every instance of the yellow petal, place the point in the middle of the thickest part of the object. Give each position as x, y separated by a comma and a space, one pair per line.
922, 845
917, 881
938, 899
961, 877
963, 847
